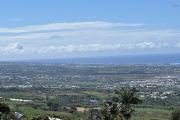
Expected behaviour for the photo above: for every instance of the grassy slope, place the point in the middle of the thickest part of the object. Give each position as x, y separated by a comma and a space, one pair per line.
151, 114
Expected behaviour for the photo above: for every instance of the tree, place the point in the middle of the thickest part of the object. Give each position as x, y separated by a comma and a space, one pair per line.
118, 108
40, 118
175, 115
126, 98
5, 111
53, 105
111, 111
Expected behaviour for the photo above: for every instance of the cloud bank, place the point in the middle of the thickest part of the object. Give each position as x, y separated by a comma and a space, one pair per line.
58, 39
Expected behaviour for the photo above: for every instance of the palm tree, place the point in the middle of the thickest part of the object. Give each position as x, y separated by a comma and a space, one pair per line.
118, 107
109, 111
127, 97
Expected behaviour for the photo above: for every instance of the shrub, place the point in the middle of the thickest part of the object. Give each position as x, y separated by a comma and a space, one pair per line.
175, 115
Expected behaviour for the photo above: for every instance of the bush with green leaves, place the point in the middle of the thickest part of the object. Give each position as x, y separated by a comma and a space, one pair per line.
175, 115
5, 112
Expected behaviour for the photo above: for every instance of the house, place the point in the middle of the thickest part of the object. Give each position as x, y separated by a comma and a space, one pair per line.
1, 98
52, 118
19, 116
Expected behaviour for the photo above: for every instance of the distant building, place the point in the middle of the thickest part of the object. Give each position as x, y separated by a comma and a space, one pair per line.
52, 118
1, 98
19, 116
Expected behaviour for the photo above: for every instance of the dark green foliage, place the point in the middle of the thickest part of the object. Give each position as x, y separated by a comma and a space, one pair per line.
40, 118
4, 109
53, 105
111, 111
5, 112
118, 107
126, 98
73, 109
175, 115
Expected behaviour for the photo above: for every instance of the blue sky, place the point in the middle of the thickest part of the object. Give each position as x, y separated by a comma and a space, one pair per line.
38, 29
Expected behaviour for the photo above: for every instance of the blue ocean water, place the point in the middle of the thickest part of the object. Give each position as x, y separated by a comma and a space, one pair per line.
128, 59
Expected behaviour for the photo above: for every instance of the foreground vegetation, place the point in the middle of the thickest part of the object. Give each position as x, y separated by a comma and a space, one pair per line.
122, 106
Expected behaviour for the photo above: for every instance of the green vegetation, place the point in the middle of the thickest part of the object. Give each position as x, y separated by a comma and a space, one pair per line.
70, 91
151, 114
126, 98
175, 115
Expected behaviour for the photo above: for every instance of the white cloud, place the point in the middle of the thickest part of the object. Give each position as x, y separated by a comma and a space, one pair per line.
68, 26
80, 48
146, 45
151, 45
99, 47
11, 48
85, 37
177, 45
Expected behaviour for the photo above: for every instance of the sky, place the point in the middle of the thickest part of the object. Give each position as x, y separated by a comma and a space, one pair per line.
48, 29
